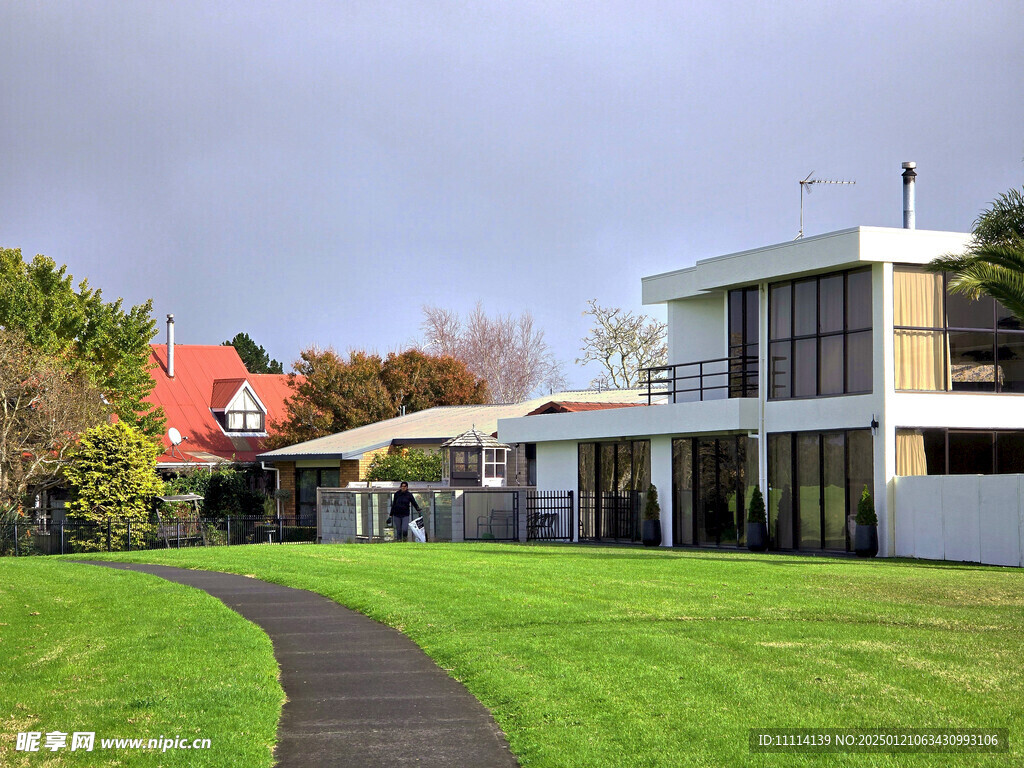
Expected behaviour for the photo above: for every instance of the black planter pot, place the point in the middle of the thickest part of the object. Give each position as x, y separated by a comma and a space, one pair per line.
757, 537
652, 533
865, 540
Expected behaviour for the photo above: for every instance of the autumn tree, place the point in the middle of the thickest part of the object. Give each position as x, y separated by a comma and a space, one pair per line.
417, 381
509, 353
333, 394
255, 357
43, 409
623, 344
103, 340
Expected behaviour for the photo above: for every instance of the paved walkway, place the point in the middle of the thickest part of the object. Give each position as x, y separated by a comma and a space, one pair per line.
359, 693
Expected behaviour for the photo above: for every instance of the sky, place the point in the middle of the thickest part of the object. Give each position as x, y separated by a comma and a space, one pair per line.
317, 172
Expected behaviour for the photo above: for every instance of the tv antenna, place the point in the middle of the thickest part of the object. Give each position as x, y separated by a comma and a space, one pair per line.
809, 184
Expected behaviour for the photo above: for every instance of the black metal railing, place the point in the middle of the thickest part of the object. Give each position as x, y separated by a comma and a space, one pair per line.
549, 515
610, 515
716, 379
48, 536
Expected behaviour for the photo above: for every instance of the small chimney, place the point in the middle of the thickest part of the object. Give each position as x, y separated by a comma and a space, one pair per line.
170, 346
908, 195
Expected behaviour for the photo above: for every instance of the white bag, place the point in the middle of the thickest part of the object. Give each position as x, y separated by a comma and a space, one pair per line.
417, 530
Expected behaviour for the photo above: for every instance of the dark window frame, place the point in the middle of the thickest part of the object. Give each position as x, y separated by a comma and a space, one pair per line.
995, 330
946, 431
846, 331
744, 356
695, 490
793, 456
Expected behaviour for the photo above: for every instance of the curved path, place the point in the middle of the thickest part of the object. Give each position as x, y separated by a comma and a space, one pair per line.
359, 693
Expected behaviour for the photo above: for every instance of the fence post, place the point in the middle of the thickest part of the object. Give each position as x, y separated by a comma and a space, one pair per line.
129, 534
280, 530
15, 538
229, 530
570, 518
108, 535
177, 534
62, 537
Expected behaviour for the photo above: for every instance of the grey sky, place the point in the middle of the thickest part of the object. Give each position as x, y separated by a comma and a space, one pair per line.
315, 172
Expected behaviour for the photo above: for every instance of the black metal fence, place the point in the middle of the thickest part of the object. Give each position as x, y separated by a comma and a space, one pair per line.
46, 536
549, 515
610, 516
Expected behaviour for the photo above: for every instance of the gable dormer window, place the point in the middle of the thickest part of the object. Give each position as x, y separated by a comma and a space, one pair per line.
244, 414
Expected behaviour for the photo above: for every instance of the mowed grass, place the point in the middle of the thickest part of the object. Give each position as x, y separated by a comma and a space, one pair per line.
600, 656
128, 655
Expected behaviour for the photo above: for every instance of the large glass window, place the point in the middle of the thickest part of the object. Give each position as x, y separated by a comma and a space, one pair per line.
712, 479
613, 482
947, 342
820, 336
743, 342
307, 481
939, 451
815, 480
245, 415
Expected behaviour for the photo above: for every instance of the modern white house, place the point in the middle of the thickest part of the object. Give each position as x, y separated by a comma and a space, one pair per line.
811, 368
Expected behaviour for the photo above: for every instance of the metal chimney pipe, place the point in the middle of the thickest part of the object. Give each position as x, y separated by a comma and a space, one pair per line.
170, 346
908, 195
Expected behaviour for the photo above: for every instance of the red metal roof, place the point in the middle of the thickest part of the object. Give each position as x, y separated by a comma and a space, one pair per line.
202, 376
562, 406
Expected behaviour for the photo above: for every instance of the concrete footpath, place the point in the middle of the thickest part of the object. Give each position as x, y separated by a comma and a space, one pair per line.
359, 693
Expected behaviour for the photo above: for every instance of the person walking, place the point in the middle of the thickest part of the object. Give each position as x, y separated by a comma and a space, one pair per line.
400, 511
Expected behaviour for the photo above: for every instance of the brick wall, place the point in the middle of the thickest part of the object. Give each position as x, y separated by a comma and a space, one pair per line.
286, 479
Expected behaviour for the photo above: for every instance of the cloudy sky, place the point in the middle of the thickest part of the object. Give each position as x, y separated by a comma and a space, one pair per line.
315, 172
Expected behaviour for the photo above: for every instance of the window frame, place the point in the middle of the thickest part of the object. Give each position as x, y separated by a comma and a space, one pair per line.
995, 330
818, 335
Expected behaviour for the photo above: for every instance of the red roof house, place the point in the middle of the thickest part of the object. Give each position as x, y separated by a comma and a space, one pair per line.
221, 411
565, 406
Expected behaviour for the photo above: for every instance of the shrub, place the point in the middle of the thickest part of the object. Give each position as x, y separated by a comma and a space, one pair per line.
755, 510
226, 490
407, 464
112, 474
652, 509
866, 509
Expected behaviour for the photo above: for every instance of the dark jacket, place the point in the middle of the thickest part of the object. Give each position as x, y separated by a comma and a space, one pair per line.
400, 504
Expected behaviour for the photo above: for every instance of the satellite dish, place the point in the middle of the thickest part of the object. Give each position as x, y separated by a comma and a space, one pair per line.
174, 435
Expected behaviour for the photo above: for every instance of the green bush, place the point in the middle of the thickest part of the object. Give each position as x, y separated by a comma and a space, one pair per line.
409, 464
112, 474
866, 509
226, 490
755, 510
652, 509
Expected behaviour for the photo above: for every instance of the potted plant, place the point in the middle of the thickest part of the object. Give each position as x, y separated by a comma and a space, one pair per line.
652, 519
865, 541
757, 523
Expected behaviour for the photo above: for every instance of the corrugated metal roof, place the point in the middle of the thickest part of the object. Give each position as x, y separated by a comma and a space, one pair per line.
223, 391
440, 424
187, 397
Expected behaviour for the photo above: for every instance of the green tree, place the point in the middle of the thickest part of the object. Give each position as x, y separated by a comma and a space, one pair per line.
993, 263
43, 407
417, 381
255, 357
113, 478
410, 464
74, 324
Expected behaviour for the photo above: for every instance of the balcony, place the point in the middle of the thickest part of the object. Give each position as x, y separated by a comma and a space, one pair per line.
717, 379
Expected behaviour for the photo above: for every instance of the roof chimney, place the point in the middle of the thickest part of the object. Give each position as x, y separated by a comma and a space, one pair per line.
170, 346
908, 194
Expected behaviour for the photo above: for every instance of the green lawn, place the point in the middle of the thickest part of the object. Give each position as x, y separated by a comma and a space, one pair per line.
133, 656
600, 656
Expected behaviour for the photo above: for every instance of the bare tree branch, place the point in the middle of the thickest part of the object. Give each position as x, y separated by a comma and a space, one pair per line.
622, 343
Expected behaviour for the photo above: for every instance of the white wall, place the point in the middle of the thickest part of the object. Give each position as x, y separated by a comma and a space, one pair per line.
697, 328
972, 518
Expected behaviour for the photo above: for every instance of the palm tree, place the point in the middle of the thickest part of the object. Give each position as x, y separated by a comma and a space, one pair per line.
993, 264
